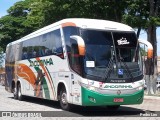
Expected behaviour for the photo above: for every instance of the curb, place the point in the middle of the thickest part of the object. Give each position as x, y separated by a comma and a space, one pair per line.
152, 97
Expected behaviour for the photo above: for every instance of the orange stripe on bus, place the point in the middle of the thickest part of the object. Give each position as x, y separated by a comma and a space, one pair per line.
68, 24
25, 72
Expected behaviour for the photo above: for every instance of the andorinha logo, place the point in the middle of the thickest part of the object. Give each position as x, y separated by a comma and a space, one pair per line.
122, 41
37, 63
118, 86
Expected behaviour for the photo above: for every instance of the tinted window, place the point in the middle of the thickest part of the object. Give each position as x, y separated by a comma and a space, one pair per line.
72, 48
97, 37
69, 31
124, 39
98, 46
44, 45
125, 45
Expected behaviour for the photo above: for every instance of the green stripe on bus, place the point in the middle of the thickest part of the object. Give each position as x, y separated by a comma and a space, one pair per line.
45, 86
52, 80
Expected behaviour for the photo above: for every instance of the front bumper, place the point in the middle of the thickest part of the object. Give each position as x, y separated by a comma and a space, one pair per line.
91, 98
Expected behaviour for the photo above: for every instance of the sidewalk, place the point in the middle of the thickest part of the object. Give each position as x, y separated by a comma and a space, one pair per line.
152, 97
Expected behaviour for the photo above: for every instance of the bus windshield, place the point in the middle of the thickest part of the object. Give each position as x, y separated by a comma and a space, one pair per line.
111, 56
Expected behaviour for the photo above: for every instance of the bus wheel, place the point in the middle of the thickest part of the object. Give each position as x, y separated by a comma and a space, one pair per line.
113, 107
15, 94
63, 100
20, 96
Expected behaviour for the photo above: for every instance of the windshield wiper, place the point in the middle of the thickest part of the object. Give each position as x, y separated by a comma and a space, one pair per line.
126, 66
109, 69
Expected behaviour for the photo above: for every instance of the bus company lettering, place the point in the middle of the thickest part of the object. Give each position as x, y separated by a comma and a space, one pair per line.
118, 86
122, 41
45, 62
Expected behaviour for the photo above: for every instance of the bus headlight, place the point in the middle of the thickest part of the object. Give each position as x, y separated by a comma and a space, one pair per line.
140, 87
84, 85
89, 87
93, 88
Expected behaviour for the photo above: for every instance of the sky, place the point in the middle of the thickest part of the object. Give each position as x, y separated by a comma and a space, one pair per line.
6, 4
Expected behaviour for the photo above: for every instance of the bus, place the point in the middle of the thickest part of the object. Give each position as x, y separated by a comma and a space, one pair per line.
78, 61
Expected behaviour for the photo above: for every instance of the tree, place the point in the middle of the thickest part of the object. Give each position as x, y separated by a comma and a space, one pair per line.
144, 14
13, 26
136, 14
153, 22
45, 12
143, 51
29, 15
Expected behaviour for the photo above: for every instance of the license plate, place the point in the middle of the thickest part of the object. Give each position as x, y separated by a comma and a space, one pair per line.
118, 100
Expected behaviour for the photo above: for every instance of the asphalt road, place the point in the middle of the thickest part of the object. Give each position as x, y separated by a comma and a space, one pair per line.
31, 107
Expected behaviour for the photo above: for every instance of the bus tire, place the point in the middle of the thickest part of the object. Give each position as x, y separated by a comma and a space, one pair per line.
63, 100
15, 93
19, 93
113, 107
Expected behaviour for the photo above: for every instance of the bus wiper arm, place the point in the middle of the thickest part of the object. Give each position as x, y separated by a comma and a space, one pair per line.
128, 70
108, 69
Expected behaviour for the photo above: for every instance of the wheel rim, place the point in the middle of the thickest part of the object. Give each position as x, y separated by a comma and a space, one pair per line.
64, 98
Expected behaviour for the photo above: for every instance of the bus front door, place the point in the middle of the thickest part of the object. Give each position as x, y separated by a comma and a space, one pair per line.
75, 90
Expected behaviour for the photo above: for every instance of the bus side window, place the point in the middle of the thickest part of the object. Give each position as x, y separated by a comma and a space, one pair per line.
34, 54
57, 44
24, 53
44, 45
54, 52
40, 51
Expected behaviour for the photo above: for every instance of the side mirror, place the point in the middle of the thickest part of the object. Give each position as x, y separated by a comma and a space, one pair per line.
150, 48
81, 44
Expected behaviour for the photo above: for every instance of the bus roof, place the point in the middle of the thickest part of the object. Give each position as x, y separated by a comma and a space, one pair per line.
79, 22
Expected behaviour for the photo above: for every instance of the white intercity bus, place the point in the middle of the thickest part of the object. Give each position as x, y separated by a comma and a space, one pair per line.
78, 61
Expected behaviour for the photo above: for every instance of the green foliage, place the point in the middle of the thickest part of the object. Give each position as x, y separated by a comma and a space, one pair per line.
13, 25
44, 12
143, 51
137, 14
27, 16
